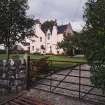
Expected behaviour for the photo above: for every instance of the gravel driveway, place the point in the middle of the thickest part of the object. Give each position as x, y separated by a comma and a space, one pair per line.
61, 99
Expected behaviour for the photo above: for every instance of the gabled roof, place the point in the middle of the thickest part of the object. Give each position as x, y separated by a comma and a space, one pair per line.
37, 21
65, 28
62, 29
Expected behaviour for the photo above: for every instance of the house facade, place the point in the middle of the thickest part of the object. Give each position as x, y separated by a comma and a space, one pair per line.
46, 43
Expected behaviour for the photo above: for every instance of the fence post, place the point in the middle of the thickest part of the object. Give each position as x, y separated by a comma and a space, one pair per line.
79, 81
28, 82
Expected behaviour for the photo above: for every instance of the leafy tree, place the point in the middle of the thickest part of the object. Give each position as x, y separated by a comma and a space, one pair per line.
93, 40
77, 42
14, 23
67, 44
48, 25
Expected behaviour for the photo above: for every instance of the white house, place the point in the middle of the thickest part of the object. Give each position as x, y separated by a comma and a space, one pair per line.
46, 43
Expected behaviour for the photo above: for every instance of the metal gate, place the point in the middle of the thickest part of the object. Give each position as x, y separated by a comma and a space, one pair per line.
73, 81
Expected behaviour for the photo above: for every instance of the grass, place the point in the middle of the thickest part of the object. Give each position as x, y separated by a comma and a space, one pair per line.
51, 57
55, 62
4, 56
58, 63
62, 62
57, 66
67, 58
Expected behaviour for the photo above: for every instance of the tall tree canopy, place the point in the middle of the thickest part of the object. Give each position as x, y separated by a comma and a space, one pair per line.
48, 25
14, 23
67, 44
92, 40
94, 30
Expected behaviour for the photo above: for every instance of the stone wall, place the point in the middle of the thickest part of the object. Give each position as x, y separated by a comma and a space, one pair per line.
12, 76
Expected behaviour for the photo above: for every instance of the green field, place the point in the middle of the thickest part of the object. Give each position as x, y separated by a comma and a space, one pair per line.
50, 57
55, 62
62, 62
58, 63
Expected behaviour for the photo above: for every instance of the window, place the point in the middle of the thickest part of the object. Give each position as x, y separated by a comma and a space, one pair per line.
50, 49
37, 49
28, 48
33, 41
42, 47
40, 39
49, 36
57, 52
32, 48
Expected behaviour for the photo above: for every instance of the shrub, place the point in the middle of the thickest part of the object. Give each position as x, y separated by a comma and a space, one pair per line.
36, 53
39, 67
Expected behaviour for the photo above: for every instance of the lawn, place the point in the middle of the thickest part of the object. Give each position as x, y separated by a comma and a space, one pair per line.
62, 62
55, 62
67, 58
4, 56
51, 57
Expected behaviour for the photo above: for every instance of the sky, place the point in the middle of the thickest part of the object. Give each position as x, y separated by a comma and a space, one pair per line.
64, 11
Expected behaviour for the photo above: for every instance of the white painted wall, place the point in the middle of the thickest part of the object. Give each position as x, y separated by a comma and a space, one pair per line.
48, 40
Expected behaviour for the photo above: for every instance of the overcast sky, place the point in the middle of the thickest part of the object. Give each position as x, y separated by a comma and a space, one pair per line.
63, 10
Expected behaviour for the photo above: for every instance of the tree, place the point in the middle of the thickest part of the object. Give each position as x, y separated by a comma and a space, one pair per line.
48, 25
93, 40
67, 44
14, 23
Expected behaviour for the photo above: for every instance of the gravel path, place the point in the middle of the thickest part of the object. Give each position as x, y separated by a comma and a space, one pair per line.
55, 99
63, 100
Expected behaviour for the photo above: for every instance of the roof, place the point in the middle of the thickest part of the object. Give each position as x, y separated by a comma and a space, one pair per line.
65, 28
62, 29
37, 21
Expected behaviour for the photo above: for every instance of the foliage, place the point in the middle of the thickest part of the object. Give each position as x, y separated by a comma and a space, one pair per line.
48, 25
92, 40
67, 44
39, 67
14, 23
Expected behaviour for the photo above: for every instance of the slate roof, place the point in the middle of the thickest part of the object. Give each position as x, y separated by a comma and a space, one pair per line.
62, 29
37, 21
